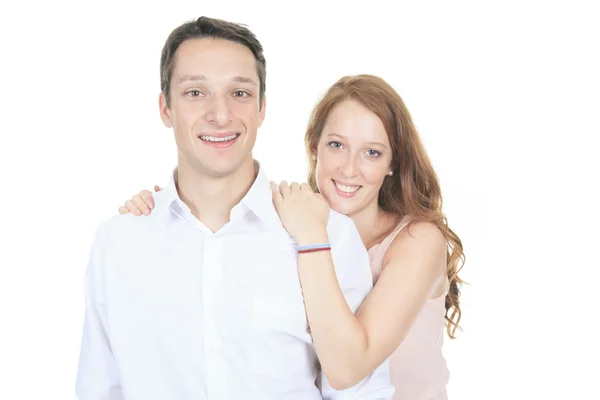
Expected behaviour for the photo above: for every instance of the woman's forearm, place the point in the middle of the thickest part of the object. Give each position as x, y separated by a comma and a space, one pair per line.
340, 340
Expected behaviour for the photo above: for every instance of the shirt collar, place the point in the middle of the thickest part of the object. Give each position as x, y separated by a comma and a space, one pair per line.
258, 199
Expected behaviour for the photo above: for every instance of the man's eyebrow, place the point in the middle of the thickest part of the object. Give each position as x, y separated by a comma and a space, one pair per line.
195, 78
191, 78
243, 79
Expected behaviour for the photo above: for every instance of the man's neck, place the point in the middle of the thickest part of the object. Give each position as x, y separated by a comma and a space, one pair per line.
211, 198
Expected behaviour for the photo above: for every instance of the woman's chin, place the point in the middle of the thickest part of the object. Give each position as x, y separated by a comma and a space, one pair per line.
343, 206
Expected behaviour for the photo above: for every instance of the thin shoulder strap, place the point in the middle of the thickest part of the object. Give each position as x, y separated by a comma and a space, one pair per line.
401, 225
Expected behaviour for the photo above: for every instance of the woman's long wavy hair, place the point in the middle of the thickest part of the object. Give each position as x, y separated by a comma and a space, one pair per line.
413, 189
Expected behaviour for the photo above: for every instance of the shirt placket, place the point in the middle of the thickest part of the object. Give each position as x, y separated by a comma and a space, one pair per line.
215, 366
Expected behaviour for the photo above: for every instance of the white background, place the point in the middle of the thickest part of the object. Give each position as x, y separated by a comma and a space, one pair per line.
505, 96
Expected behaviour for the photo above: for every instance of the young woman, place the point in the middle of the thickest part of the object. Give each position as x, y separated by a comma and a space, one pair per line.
367, 161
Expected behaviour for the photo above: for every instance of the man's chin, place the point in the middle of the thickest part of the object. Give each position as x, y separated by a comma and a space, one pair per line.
222, 169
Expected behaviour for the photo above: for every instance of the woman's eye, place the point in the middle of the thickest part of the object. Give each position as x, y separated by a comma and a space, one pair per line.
373, 153
335, 145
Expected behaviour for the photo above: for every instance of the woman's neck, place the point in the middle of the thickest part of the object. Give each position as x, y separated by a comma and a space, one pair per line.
374, 224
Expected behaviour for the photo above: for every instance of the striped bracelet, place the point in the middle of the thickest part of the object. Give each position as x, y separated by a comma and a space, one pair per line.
313, 247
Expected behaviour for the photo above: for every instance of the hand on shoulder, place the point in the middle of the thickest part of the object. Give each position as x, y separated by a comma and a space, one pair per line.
141, 203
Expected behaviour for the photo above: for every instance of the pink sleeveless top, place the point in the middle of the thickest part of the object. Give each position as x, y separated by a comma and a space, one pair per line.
418, 369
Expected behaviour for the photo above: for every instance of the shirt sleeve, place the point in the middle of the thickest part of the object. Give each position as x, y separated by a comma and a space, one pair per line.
352, 267
97, 376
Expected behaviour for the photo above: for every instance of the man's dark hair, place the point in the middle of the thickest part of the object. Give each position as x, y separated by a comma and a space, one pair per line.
205, 27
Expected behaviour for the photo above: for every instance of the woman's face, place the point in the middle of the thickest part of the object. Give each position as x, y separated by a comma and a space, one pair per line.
353, 158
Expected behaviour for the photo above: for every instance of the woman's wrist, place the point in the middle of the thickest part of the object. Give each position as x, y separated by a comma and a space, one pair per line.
316, 236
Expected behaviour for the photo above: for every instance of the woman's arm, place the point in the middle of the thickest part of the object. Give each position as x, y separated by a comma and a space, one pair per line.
350, 347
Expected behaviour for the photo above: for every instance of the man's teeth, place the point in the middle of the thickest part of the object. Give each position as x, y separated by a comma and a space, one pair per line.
347, 189
214, 139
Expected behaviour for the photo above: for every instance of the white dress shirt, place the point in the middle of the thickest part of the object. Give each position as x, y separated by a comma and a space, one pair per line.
177, 312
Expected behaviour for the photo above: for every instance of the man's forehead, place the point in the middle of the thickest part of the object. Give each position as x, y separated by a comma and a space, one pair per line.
208, 49
206, 59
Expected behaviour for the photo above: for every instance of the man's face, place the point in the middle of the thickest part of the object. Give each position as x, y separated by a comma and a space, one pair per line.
215, 110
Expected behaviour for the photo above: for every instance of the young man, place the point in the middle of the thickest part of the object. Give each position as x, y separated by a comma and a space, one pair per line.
201, 299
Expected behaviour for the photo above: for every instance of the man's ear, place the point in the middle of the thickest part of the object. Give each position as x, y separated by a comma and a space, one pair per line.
165, 111
261, 114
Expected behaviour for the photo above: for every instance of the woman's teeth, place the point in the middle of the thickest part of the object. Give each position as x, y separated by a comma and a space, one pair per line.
347, 189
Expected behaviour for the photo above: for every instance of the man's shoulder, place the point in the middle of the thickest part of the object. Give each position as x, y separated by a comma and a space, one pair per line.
129, 226
118, 229
339, 224
350, 257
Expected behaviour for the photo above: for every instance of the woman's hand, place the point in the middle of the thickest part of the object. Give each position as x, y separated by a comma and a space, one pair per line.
304, 213
140, 204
